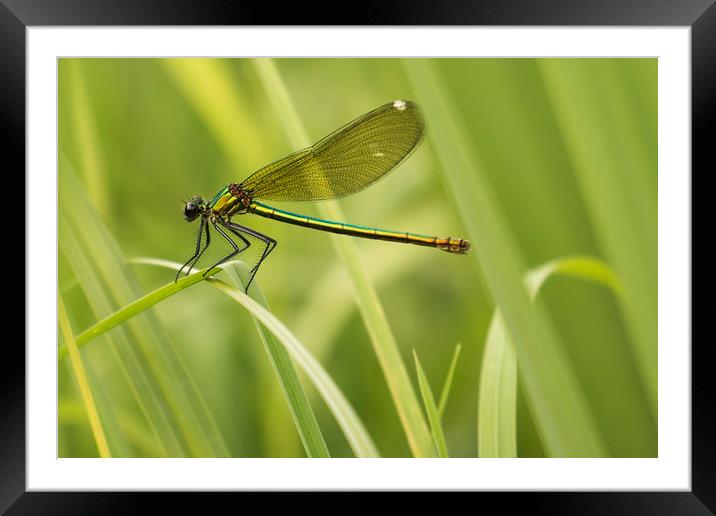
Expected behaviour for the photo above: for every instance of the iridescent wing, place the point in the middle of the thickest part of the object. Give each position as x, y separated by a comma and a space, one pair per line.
344, 162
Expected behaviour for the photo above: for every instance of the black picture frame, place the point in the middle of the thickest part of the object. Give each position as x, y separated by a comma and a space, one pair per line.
17, 15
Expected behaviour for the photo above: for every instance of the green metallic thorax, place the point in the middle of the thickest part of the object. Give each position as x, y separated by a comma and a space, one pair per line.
224, 204
218, 195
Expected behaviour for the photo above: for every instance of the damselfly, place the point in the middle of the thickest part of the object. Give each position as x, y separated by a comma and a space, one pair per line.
344, 162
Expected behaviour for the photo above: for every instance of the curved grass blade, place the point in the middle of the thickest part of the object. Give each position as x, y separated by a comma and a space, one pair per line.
431, 410
580, 267
298, 405
82, 383
346, 417
498, 380
558, 404
135, 369
448, 380
301, 412
616, 171
381, 335
352, 427
136, 307
166, 394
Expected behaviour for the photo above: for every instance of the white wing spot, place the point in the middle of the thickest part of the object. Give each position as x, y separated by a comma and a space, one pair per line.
400, 105
378, 154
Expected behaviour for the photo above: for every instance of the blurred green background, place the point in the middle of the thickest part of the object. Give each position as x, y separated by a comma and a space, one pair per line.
561, 155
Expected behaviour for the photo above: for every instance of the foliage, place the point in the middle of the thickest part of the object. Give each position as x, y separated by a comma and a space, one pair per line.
547, 166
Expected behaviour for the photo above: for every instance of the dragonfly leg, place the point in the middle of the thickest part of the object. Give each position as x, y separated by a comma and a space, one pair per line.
206, 246
270, 246
197, 253
236, 250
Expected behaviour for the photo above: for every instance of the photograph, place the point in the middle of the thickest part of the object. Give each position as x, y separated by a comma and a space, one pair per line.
357, 257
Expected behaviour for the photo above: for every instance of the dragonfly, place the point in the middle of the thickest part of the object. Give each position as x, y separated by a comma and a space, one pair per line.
345, 162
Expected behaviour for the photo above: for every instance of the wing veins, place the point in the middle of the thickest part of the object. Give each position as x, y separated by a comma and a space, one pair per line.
345, 161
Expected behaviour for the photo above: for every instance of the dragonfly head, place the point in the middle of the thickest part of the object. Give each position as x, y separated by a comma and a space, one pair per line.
193, 208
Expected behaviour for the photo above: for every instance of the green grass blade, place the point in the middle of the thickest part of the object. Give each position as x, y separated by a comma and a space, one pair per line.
134, 367
371, 310
352, 428
135, 308
207, 85
82, 382
581, 267
617, 174
558, 404
303, 416
498, 380
298, 404
448, 380
497, 397
346, 417
431, 410
169, 400
88, 147
72, 413
109, 411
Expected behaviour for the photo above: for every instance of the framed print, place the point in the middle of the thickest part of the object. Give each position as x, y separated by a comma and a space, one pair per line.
245, 224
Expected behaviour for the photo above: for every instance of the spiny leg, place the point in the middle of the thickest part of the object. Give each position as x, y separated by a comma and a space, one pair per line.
206, 246
233, 244
270, 246
196, 251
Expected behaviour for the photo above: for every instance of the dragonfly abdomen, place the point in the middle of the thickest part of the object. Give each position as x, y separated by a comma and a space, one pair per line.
450, 244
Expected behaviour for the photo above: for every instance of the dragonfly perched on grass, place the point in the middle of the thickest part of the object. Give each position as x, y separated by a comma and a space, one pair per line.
344, 162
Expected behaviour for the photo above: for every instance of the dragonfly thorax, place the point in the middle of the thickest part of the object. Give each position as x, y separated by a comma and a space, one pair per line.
230, 200
241, 194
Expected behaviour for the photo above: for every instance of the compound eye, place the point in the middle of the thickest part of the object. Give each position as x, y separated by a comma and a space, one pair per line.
191, 211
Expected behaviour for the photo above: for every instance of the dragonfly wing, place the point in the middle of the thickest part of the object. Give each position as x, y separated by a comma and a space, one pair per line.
344, 162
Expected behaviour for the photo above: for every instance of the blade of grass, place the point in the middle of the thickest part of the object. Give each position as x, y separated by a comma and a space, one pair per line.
580, 267
82, 383
497, 397
381, 335
134, 308
138, 377
431, 410
616, 173
558, 404
104, 393
352, 427
106, 406
300, 408
73, 413
498, 380
85, 133
448, 380
341, 409
168, 397
208, 85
